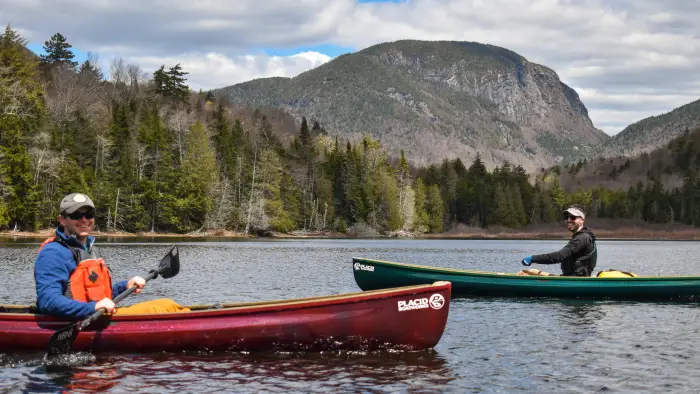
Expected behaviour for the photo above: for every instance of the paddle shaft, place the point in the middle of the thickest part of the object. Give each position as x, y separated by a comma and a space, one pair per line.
83, 324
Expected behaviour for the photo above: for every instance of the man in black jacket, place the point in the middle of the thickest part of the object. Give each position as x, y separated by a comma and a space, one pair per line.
578, 257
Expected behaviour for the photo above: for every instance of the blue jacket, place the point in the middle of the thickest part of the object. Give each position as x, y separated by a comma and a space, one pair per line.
52, 269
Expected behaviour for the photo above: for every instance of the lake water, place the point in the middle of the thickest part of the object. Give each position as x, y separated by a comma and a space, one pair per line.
490, 345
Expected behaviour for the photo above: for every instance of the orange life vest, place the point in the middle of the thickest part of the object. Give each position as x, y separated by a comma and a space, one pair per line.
91, 280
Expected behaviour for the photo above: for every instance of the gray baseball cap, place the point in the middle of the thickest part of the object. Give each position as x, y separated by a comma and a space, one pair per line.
575, 212
75, 201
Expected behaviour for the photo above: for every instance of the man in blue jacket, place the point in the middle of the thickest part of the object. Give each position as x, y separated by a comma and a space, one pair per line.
71, 278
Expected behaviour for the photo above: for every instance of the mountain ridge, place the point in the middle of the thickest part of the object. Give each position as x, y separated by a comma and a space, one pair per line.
650, 133
438, 99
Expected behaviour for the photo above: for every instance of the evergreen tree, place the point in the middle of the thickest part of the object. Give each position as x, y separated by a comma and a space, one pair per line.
122, 156
548, 211
519, 218
403, 177
421, 219
289, 193
480, 192
21, 113
175, 83
155, 171
91, 72
355, 206
161, 81
224, 142
556, 193
389, 201
448, 187
503, 212
271, 179
58, 52
304, 135
435, 209
336, 167
477, 168
197, 175
317, 130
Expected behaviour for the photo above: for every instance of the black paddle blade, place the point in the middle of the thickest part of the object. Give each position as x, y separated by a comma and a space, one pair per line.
62, 340
170, 265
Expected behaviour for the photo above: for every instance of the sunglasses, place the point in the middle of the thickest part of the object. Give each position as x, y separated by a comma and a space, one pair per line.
80, 215
571, 217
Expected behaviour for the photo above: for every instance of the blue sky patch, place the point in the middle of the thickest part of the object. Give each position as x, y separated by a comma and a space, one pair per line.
326, 49
80, 56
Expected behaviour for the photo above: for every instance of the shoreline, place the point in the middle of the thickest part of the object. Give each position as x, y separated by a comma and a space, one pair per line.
629, 234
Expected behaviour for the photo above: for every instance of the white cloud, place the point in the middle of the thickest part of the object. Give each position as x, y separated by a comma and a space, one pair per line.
628, 59
213, 70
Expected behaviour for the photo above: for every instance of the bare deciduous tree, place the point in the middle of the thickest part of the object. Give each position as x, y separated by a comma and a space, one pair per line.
179, 124
117, 71
407, 207
252, 194
223, 205
143, 159
63, 95
136, 77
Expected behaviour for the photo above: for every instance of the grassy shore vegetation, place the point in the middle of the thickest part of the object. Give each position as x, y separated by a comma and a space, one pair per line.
158, 158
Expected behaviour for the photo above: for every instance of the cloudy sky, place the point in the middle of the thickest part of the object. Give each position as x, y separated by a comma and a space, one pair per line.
626, 59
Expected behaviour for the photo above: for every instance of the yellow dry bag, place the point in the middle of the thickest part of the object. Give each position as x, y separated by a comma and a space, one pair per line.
616, 274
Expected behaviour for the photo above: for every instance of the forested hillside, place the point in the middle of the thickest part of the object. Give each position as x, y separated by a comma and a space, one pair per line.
660, 186
156, 156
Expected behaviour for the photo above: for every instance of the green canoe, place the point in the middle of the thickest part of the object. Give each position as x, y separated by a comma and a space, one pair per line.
376, 274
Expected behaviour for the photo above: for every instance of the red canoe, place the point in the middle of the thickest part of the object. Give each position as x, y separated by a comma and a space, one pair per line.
406, 318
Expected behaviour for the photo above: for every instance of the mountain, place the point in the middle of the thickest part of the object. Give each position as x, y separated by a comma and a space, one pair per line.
435, 100
671, 164
653, 132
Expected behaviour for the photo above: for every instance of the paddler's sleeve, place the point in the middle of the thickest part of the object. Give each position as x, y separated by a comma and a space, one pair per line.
51, 275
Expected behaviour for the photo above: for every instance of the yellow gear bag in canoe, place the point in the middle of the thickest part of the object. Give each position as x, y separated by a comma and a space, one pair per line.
616, 274
161, 305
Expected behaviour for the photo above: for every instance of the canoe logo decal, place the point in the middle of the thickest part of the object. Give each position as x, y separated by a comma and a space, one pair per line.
418, 303
436, 301
362, 267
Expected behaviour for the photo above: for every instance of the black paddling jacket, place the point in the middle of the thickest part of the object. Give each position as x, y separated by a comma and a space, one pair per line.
577, 258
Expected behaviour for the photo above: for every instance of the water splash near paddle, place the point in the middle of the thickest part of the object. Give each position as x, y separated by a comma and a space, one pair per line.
67, 361
52, 364
7, 361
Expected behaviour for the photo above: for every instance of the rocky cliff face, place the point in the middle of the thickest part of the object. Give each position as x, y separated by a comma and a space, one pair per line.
439, 100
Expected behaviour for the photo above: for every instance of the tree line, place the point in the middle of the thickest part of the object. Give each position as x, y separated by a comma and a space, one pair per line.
156, 156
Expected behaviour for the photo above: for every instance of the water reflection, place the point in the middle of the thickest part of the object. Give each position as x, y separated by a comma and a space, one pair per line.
581, 312
53, 378
426, 370
89, 379
322, 371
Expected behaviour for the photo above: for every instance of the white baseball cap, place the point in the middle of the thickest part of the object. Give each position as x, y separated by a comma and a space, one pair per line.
573, 211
